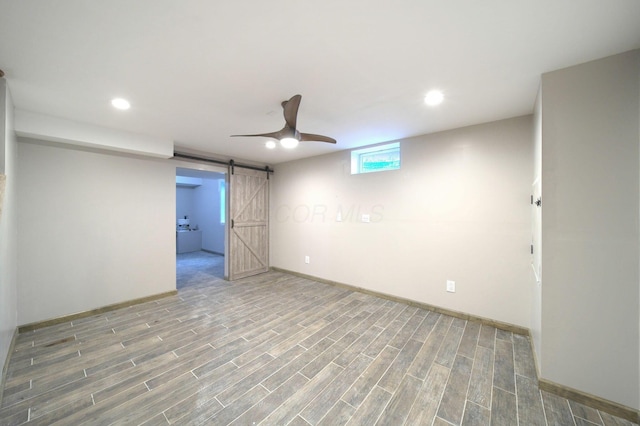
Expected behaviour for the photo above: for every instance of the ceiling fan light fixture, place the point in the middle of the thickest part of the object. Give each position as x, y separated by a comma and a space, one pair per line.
289, 143
120, 103
434, 97
270, 144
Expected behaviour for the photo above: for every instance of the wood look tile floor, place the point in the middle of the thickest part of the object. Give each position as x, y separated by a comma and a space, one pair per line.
276, 349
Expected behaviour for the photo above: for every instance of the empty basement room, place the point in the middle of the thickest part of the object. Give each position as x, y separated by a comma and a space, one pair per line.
425, 213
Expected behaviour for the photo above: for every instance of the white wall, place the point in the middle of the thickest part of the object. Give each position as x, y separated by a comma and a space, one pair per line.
94, 229
8, 225
590, 290
457, 210
536, 271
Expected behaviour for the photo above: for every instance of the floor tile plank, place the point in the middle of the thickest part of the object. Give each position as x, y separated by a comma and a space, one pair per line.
530, 409
481, 378
524, 364
292, 406
400, 404
583, 412
449, 347
428, 399
272, 401
394, 375
369, 411
504, 411
556, 409
469, 339
366, 382
320, 405
429, 350
339, 414
455, 393
504, 375
475, 415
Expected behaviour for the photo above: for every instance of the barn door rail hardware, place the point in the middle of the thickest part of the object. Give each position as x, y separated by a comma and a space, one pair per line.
230, 163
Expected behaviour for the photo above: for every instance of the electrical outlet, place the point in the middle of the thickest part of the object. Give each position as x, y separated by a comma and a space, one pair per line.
366, 218
339, 217
306, 259
451, 286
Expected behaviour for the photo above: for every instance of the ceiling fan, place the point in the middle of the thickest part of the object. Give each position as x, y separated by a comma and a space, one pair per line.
289, 136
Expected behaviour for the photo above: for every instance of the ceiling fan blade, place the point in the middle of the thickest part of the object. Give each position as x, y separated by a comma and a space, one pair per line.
308, 137
289, 130
275, 135
291, 110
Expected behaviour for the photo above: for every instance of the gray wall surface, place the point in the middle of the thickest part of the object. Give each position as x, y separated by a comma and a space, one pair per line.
8, 225
590, 186
99, 226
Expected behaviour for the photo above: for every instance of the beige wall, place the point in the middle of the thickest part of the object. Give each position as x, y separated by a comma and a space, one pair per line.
94, 229
590, 290
457, 210
8, 225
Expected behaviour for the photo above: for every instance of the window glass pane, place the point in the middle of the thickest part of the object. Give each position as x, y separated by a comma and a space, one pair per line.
380, 160
376, 159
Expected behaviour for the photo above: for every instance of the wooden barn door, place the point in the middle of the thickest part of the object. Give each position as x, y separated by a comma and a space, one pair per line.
248, 224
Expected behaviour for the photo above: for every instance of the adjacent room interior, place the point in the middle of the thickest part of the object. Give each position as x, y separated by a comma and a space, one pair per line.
456, 243
200, 226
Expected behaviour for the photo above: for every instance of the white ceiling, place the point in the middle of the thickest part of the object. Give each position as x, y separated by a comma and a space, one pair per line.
199, 71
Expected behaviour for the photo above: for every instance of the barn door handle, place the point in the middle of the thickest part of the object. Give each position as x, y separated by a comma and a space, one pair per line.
539, 202
232, 223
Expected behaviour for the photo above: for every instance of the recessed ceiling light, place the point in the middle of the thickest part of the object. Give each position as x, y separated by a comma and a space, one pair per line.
270, 144
433, 98
120, 103
289, 142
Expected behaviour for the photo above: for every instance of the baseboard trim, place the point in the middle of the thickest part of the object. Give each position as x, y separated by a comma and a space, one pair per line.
462, 315
589, 400
67, 318
3, 380
213, 252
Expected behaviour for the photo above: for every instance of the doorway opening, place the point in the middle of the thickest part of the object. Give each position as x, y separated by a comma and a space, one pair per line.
200, 226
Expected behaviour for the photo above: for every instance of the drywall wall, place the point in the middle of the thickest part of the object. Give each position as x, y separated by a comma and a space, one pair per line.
590, 171
457, 210
536, 231
8, 225
98, 227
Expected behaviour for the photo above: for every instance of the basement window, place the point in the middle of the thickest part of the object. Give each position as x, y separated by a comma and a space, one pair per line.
376, 159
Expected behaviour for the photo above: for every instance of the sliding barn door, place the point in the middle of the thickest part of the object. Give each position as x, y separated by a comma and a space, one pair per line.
249, 223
